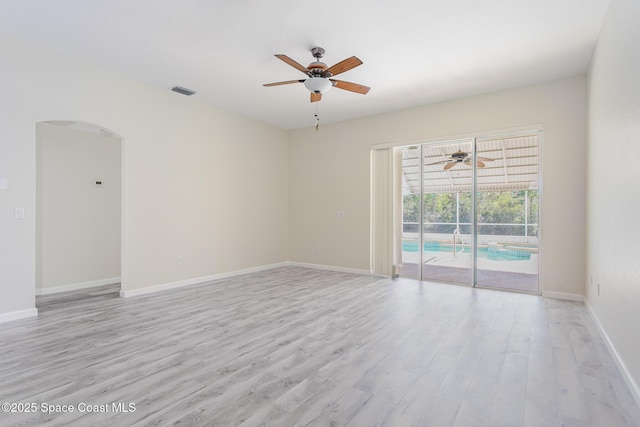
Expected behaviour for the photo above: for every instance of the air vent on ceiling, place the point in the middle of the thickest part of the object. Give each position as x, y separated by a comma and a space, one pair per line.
183, 90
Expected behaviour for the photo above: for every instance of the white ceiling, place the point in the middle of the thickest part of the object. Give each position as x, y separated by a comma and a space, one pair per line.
415, 52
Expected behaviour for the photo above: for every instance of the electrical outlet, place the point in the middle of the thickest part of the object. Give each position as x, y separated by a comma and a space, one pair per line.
179, 260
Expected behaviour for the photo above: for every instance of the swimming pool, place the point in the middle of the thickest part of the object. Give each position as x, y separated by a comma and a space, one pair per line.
496, 253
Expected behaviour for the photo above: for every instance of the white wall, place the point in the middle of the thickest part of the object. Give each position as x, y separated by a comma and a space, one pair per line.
199, 183
613, 244
329, 172
78, 237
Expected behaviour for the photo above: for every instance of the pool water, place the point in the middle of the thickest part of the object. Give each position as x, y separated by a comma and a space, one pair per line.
496, 254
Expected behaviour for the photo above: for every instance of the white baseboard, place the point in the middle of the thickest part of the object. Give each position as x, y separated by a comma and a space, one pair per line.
196, 280
330, 267
77, 286
563, 295
20, 314
628, 378
204, 279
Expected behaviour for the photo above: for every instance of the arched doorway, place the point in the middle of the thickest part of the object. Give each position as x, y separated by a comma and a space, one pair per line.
78, 210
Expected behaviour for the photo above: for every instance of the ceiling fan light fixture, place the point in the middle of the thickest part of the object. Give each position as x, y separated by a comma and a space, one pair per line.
318, 84
318, 74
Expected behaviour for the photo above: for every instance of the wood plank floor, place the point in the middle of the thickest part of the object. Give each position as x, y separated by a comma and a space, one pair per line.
294, 346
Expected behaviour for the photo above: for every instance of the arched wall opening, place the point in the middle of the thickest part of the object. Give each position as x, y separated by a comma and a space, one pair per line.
78, 207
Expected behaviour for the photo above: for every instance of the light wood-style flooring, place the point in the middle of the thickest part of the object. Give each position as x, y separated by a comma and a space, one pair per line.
295, 346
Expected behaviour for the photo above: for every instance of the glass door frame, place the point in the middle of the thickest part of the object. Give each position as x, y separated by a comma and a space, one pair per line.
474, 200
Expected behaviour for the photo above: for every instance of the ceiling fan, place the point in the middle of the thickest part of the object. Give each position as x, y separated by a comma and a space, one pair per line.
319, 81
461, 157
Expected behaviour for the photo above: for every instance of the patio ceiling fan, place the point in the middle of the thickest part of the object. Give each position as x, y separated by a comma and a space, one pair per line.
319, 79
461, 157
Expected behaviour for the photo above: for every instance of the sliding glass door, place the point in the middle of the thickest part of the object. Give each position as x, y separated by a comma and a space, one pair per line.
469, 212
507, 214
446, 219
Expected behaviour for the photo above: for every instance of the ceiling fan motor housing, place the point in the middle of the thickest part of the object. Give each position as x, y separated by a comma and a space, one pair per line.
317, 68
459, 155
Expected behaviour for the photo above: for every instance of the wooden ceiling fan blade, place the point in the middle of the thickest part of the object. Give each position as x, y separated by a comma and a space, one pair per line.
450, 165
484, 159
315, 97
441, 162
293, 63
342, 66
283, 83
478, 163
352, 87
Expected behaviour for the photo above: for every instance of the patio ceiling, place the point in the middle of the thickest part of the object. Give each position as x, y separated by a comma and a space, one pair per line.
514, 166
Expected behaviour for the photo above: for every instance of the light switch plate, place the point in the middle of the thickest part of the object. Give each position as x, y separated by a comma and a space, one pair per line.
4, 184
19, 213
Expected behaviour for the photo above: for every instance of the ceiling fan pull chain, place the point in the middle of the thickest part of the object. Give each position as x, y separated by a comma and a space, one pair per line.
317, 108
